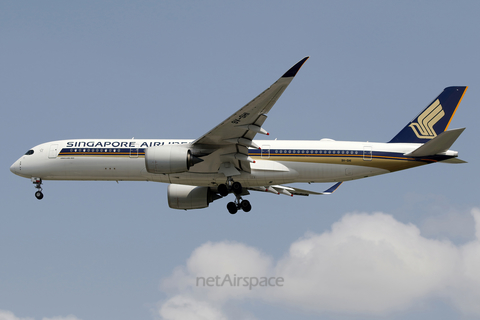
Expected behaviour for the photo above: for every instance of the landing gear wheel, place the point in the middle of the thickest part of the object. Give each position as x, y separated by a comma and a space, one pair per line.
223, 190
237, 187
245, 205
232, 207
39, 195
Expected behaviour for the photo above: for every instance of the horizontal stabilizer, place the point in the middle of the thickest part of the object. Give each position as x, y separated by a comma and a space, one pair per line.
453, 160
439, 144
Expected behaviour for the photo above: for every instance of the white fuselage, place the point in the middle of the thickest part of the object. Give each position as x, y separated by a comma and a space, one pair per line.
277, 162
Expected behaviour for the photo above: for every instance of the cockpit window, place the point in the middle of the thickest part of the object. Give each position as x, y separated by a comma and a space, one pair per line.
29, 152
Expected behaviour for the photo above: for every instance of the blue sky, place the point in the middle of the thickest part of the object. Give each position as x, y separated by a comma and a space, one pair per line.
169, 69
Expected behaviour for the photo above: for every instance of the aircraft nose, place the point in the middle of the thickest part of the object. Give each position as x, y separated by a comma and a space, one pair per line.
14, 167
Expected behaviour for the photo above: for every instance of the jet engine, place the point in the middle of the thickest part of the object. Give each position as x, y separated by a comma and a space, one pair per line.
190, 197
169, 159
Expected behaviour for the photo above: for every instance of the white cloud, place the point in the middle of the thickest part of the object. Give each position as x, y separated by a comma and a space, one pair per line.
184, 307
367, 264
464, 289
219, 259
8, 315
69, 317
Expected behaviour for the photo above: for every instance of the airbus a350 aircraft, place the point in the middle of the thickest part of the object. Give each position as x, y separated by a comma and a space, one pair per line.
227, 160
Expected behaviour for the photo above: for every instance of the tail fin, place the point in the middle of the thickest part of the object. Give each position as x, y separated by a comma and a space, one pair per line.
434, 120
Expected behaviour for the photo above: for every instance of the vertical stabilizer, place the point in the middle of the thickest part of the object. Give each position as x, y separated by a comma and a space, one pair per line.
434, 120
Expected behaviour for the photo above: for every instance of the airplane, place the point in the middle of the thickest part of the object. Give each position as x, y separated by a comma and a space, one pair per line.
227, 160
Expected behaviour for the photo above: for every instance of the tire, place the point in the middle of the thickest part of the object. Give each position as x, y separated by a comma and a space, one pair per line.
237, 188
222, 190
246, 206
39, 195
232, 207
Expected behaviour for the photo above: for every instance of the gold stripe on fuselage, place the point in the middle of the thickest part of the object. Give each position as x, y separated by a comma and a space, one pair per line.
382, 162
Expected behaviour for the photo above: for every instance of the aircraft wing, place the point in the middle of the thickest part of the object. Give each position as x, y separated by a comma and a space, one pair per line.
290, 191
229, 141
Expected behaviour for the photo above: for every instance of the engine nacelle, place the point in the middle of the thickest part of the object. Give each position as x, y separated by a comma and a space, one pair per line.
189, 197
169, 159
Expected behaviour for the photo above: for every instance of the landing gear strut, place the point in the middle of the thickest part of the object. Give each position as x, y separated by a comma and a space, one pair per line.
38, 185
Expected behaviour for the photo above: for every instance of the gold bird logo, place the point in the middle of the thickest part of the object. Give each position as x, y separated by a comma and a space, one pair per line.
423, 128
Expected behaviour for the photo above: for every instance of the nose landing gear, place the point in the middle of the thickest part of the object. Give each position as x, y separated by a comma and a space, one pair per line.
38, 185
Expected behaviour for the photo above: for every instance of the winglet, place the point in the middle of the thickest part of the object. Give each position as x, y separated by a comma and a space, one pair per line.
293, 70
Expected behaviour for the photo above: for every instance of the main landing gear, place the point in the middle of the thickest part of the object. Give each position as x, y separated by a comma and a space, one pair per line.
244, 205
38, 185
237, 189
